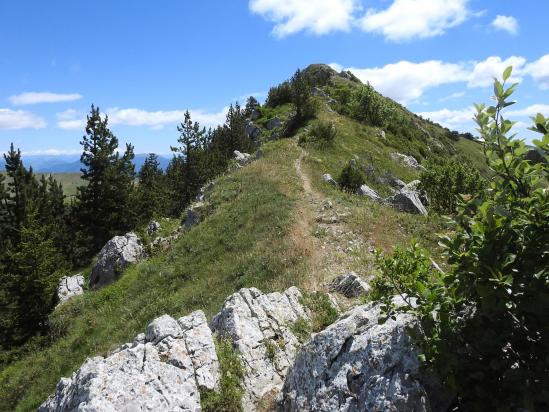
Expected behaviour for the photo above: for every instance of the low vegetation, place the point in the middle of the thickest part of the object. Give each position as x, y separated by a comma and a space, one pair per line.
483, 323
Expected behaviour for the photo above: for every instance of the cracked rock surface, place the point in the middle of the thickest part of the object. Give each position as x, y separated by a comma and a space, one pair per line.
160, 370
69, 287
116, 255
350, 285
260, 327
357, 364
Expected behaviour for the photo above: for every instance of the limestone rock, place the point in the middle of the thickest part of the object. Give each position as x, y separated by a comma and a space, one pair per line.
357, 364
242, 158
408, 201
160, 370
350, 285
255, 114
117, 254
153, 227
195, 214
69, 287
252, 130
259, 324
329, 179
273, 123
409, 161
368, 192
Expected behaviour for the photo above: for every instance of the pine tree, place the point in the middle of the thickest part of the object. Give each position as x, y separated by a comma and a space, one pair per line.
27, 282
103, 206
301, 96
151, 192
192, 142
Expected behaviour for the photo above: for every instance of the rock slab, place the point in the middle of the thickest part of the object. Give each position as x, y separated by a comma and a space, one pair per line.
117, 254
160, 370
357, 364
69, 287
350, 285
260, 325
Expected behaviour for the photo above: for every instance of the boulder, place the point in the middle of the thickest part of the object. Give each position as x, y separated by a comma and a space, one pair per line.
252, 130
260, 325
362, 364
69, 287
407, 201
329, 179
242, 158
380, 133
409, 161
368, 192
160, 370
153, 227
350, 285
117, 254
273, 123
195, 214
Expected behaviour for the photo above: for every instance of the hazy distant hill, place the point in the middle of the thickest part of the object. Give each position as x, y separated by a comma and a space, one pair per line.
71, 163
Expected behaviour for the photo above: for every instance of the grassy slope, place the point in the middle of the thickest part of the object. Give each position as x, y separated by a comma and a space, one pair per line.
250, 240
245, 242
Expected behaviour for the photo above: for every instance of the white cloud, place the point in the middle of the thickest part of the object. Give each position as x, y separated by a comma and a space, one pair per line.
317, 17
406, 81
539, 70
409, 19
20, 119
484, 72
42, 97
71, 119
452, 96
505, 23
530, 110
52, 152
158, 119
452, 118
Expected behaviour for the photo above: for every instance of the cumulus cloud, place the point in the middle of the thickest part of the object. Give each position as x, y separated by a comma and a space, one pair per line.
20, 119
539, 70
452, 118
505, 23
406, 81
317, 17
71, 119
531, 110
27, 98
52, 152
158, 119
484, 72
409, 19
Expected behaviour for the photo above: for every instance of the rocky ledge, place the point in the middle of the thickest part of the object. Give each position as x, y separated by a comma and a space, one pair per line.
357, 363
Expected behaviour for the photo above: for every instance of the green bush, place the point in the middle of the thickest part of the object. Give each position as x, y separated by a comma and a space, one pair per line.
445, 182
484, 323
323, 314
351, 177
323, 132
369, 106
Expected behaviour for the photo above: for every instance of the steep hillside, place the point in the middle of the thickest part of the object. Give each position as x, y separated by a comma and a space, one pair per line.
275, 223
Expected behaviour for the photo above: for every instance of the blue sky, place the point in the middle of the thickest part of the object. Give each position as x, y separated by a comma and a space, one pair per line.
146, 62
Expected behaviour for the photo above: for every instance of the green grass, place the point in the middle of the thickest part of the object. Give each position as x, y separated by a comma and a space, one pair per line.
70, 181
244, 243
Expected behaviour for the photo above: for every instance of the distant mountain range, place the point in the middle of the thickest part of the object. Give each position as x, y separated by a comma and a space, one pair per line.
71, 163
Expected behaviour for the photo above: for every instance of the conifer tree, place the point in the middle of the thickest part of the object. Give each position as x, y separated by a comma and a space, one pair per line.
28, 279
151, 197
103, 207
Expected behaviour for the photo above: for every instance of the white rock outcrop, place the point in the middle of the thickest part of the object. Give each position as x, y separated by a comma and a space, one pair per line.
69, 287
367, 191
260, 325
358, 364
409, 161
329, 179
242, 158
195, 213
161, 370
117, 254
